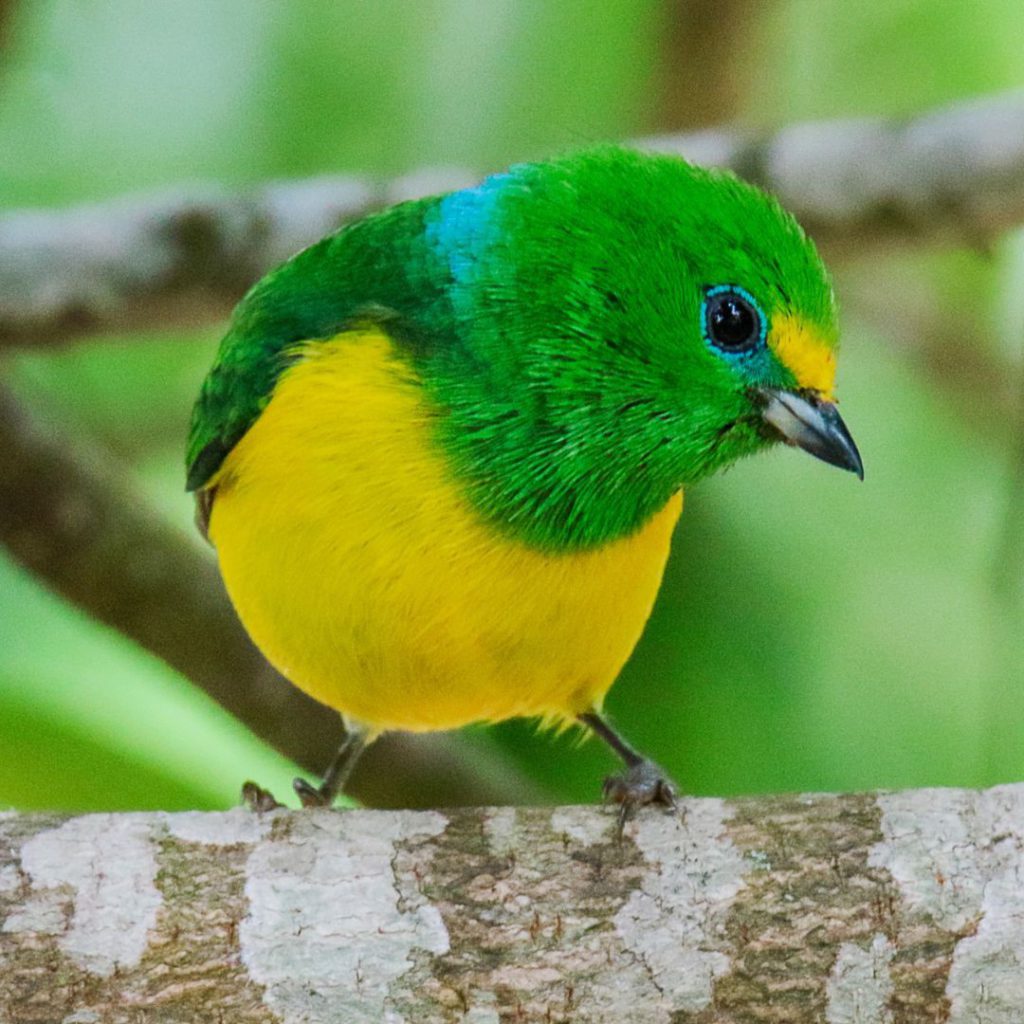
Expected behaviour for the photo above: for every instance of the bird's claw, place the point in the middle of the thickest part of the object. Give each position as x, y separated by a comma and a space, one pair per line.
642, 784
261, 800
309, 795
258, 799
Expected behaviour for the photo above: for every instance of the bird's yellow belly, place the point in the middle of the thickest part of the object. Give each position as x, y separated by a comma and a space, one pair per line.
368, 580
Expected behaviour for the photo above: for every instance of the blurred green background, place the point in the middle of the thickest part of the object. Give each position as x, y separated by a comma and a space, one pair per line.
813, 633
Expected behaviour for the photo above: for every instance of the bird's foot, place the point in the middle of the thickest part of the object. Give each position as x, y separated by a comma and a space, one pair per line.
642, 784
258, 799
261, 800
310, 795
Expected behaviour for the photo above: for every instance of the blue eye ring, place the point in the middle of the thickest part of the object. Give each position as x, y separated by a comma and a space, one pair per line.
732, 322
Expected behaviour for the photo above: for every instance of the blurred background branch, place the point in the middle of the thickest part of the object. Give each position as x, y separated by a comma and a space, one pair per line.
68, 515
955, 175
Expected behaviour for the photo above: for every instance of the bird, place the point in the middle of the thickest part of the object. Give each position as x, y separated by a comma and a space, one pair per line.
442, 451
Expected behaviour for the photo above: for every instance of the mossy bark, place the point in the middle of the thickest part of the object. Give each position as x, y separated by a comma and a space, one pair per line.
858, 909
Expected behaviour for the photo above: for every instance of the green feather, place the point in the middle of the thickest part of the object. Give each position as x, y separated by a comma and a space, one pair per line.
553, 314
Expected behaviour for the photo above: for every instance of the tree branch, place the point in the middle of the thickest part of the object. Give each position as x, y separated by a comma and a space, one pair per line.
185, 257
954, 175
866, 908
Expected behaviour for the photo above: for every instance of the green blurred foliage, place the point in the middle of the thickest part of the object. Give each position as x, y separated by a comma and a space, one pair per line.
812, 633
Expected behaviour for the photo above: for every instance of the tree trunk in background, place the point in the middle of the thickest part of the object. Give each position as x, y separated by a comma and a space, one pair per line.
862, 909
6, 16
703, 61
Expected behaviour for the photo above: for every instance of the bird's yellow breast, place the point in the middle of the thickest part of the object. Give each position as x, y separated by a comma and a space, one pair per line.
366, 577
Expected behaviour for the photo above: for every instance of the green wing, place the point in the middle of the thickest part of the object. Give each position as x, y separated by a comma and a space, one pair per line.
380, 268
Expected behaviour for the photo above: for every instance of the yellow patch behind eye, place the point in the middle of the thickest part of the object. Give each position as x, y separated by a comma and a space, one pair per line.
799, 347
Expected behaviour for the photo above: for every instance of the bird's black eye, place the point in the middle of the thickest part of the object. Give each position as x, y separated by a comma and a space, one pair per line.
731, 320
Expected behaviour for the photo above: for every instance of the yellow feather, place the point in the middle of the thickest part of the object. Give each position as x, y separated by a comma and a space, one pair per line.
812, 362
368, 580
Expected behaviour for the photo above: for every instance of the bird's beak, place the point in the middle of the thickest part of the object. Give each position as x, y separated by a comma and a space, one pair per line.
808, 422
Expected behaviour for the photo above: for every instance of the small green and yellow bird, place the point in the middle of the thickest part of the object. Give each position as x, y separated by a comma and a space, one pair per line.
442, 451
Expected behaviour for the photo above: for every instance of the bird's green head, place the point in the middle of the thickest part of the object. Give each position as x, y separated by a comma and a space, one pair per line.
629, 324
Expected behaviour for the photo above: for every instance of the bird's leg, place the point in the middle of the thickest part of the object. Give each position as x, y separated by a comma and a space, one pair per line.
337, 773
354, 743
643, 782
